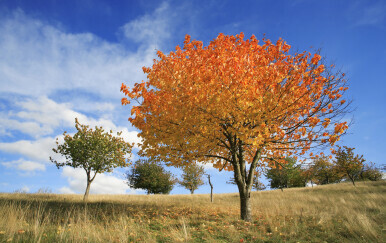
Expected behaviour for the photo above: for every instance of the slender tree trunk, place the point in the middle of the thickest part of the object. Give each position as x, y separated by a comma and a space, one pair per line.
89, 181
211, 189
85, 197
211, 194
352, 179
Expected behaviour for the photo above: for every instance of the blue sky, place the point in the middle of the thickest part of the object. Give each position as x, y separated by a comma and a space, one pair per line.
65, 59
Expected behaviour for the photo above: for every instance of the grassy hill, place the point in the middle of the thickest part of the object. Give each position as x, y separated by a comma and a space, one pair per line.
331, 213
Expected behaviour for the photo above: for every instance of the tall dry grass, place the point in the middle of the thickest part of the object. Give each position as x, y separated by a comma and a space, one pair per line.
332, 213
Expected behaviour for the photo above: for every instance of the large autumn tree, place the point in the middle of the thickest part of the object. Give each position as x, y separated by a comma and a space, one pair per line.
93, 150
236, 102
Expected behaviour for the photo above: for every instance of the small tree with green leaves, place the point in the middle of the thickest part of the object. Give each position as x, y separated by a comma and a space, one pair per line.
96, 151
371, 172
324, 171
192, 176
348, 164
150, 176
284, 175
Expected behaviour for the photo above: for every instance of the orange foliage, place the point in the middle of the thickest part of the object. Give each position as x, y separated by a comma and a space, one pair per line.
207, 103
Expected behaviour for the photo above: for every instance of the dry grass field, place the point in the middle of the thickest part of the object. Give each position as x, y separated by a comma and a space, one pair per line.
331, 213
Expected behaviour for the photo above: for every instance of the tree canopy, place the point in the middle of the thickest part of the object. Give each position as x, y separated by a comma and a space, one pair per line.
192, 177
324, 171
349, 164
150, 176
237, 102
96, 151
286, 175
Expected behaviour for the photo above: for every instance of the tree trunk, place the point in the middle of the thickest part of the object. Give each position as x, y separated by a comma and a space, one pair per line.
245, 207
89, 181
85, 197
243, 178
211, 189
352, 180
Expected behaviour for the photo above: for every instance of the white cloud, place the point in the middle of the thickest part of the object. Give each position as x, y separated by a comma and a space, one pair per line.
130, 136
38, 59
66, 190
207, 166
25, 189
30, 128
42, 116
41, 149
38, 150
39, 117
48, 113
25, 165
151, 28
103, 183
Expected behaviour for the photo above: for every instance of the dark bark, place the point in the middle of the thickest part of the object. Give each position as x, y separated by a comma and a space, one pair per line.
352, 179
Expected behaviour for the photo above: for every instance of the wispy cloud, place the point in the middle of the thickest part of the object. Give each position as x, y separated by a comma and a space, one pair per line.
36, 150
39, 58
23, 165
374, 13
151, 28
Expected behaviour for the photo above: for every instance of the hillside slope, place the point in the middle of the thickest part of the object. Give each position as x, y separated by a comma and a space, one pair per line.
331, 213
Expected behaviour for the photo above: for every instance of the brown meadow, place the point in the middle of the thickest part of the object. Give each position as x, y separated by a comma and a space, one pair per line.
331, 213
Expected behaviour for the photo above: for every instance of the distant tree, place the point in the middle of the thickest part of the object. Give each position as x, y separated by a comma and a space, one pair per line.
96, 151
324, 171
44, 190
308, 174
285, 175
211, 188
192, 177
371, 172
348, 164
150, 176
257, 184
